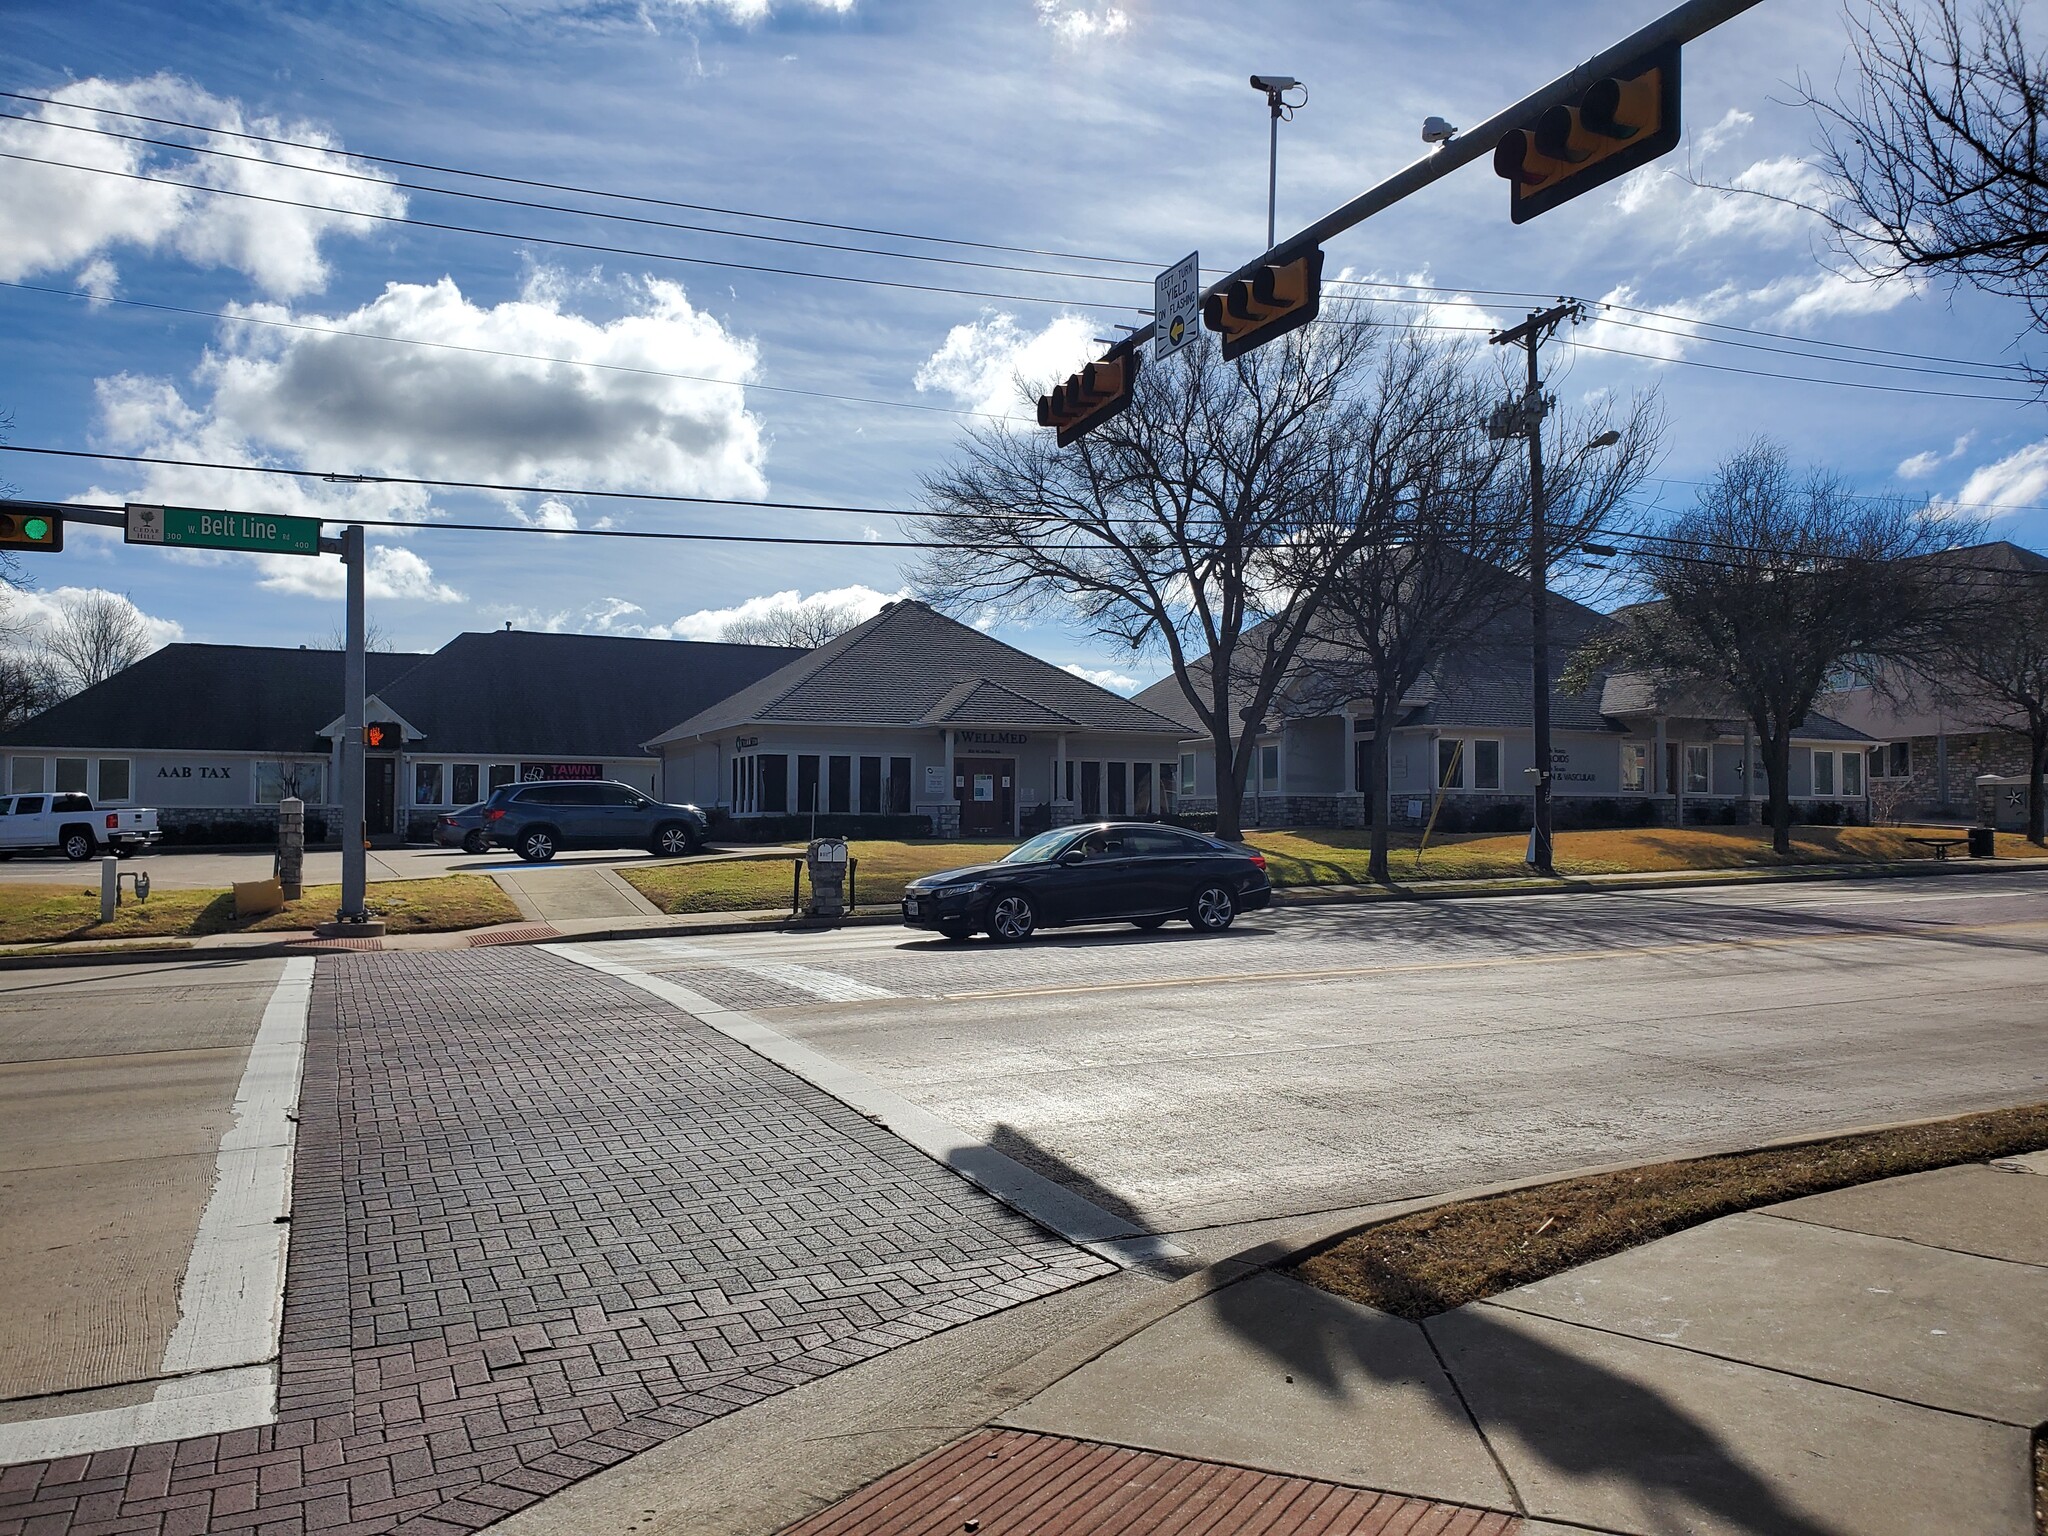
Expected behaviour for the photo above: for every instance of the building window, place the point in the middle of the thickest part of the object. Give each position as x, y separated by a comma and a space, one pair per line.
839, 785
870, 786
462, 784
807, 783
271, 782
1141, 789
117, 779
27, 775
1269, 769
899, 786
71, 772
1486, 765
1635, 766
502, 774
1450, 763
771, 783
1852, 773
1166, 787
1119, 789
1892, 760
1187, 773
1823, 773
426, 784
1699, 768
1091, 791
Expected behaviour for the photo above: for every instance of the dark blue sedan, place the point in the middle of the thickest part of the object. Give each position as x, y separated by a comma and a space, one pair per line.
1134, 872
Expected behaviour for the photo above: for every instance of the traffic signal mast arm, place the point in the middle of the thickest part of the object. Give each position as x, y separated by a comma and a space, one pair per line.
1677, 26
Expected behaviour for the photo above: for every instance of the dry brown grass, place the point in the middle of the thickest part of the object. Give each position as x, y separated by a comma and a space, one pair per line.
1417, 1266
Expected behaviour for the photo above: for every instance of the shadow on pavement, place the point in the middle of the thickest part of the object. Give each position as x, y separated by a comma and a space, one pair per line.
1582, 1419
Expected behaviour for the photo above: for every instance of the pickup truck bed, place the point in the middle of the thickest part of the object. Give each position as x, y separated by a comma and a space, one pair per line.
71, 824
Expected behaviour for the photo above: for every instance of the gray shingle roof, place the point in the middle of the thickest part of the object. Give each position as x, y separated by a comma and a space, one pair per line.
522, 693
906, 666
199, 698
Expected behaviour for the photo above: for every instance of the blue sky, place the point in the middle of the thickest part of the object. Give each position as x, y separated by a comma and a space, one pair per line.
1123, 131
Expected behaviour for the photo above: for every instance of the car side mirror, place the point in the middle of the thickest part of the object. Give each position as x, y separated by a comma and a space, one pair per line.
1073, 856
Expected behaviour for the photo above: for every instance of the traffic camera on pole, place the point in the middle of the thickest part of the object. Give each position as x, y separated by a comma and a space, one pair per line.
1276, 298
37, 532
1089, 398
1620, 122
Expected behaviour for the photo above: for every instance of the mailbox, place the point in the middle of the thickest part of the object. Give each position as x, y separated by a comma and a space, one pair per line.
825, 862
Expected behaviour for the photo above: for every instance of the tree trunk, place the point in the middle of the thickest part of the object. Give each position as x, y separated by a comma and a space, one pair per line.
2037, 813
1376, 756
1778, 788
1230, 785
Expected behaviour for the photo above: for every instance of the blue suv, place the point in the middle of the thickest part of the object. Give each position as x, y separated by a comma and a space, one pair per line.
537, 820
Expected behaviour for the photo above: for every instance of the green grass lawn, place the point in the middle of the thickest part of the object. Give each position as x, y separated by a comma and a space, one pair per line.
31, 914
1314, 857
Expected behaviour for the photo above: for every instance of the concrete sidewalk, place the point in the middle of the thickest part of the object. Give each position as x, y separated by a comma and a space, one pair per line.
1869, 1362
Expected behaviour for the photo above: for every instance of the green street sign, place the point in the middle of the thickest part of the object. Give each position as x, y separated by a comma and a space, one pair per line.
196, 528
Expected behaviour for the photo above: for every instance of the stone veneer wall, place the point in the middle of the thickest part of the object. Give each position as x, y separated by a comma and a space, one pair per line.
945, 815
1994, 752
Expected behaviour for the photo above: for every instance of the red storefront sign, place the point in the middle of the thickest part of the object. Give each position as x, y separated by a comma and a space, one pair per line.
531, 771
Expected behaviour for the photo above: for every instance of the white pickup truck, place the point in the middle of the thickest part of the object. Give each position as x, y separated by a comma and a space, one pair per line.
69, 824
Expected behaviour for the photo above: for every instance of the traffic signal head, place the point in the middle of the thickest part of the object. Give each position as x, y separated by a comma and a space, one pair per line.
42, 532
1092, 396
1617, 124
378, 735
1277, 298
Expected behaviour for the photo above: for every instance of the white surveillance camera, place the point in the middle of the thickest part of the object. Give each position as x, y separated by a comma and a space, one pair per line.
1436, 131
1274, 82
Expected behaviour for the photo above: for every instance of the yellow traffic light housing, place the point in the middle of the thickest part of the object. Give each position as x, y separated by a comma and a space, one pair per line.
32, 532
1277, 298
1090, 397
1619, 123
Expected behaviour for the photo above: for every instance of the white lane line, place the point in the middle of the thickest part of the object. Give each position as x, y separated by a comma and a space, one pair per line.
824, 985
1023, 1189
222, 1354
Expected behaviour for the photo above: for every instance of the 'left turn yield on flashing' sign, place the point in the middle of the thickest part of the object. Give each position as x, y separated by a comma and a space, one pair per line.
1176, 305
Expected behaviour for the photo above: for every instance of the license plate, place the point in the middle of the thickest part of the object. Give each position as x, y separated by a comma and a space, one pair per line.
910, 906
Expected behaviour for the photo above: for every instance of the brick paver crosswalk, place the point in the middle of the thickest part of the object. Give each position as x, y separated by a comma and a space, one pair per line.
542, 1222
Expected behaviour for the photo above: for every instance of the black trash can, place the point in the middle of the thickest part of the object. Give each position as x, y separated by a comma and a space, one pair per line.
1983, 843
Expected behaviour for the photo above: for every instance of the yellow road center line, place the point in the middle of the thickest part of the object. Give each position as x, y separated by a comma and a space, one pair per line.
1333, 973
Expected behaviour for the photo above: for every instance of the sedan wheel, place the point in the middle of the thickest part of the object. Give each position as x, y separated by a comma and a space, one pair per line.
476, 842
1213, 909
1012, 919
537, 847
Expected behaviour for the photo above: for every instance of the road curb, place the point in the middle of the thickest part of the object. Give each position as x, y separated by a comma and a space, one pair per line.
1064, 1356
701, 925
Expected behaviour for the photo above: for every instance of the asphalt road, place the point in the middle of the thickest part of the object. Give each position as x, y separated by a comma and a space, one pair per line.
116, 1084
1317, 1059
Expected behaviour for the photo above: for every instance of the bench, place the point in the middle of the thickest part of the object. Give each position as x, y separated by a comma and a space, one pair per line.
1940, 845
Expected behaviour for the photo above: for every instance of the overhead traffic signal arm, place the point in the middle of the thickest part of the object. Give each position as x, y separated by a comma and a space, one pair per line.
1619, 122
35, 532
1277, 297
1095, 394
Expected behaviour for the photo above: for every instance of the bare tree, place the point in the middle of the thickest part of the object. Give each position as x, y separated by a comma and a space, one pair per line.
1994, 655
94, 636
1208, 518
375, 638
808, 625
10, 565
1936, 157
1772, 585
1452, 578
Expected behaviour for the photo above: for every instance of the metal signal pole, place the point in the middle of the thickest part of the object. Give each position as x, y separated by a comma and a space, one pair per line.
354, 778
1524, 418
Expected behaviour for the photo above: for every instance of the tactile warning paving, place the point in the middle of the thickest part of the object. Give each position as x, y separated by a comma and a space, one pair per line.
1010, 1483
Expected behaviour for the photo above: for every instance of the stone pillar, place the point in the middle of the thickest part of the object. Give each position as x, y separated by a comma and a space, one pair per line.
291, 845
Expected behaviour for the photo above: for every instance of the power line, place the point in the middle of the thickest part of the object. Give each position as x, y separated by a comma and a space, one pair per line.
557, 240
1797, 378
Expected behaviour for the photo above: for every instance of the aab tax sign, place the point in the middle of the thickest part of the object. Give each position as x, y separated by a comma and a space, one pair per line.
194, 528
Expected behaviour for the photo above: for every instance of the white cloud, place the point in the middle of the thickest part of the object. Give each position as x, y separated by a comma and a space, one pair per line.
1921, 465
1734, 122
1078, 24
2009, 484
390, 573
553, 514
30, 611
710, 623
995, 366
422, 410
1103, 677
1684, 214
53, 219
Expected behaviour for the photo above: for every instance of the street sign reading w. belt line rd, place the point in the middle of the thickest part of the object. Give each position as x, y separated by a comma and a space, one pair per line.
195, 528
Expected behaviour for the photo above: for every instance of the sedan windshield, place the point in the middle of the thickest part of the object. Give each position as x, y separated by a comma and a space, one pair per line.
1042, 849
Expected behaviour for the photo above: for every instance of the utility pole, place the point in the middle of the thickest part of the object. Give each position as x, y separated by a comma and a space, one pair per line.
354, 778
1524, 418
